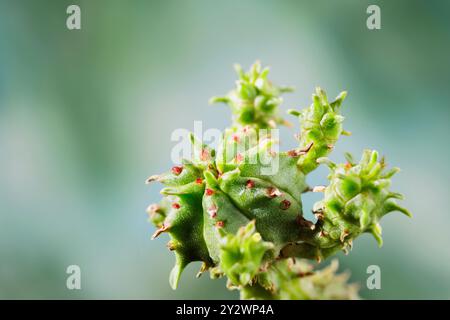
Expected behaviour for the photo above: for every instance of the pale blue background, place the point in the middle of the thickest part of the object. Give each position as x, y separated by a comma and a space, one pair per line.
86, 116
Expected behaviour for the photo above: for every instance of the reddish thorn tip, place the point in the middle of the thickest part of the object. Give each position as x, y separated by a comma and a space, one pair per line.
212, 211
209, 192
292, 153
159, 231
250, 184
199, 181
235, 138
220, 224
322, 233
308, 147
285, 204
176, 205
273, 192
177, 170
204, 155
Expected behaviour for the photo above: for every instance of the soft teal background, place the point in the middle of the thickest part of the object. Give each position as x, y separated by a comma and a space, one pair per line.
86, 116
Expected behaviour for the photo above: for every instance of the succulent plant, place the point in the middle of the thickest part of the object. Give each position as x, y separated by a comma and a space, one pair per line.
238, 209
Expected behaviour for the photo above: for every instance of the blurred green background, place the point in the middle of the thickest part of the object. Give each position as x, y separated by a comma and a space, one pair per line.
86, 116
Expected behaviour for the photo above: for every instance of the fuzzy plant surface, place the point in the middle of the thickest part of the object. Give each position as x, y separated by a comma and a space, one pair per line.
238, 208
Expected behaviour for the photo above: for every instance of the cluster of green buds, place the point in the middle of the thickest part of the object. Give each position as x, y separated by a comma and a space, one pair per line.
255, 100
238, 209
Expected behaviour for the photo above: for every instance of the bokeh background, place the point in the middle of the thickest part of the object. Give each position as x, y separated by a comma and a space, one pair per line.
86, 116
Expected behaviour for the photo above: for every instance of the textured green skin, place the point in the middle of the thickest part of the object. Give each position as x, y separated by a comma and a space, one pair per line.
235, 205
184, 224
223, 209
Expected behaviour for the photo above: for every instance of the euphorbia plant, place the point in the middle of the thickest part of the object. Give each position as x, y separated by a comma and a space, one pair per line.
238, 209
